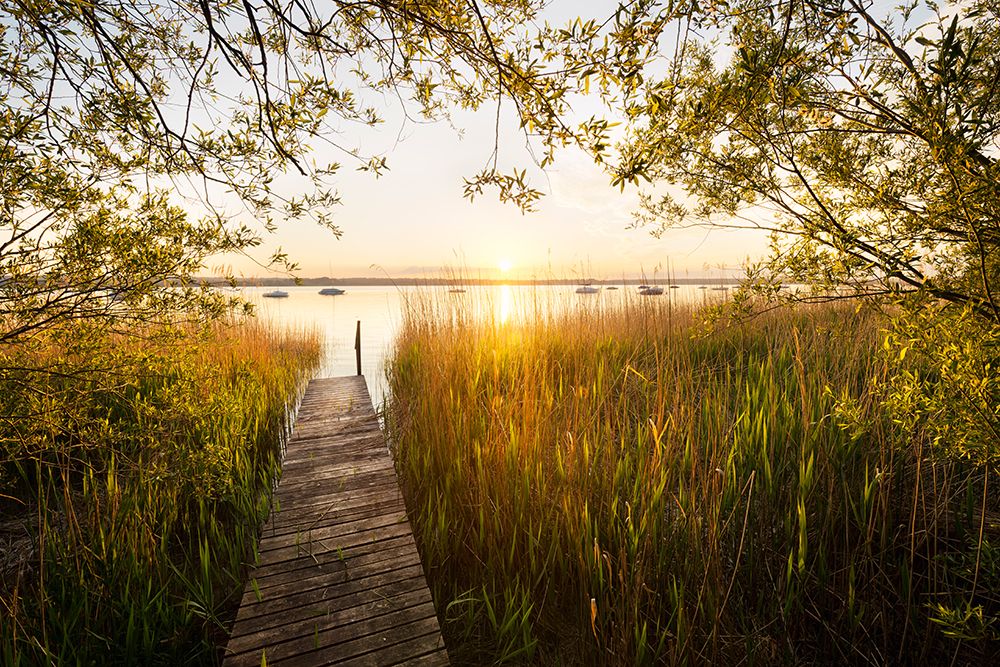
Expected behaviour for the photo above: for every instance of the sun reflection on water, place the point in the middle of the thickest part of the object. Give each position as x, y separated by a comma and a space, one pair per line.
505, 306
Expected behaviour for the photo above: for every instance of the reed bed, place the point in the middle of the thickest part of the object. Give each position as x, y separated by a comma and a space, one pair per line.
136, 471
626, 485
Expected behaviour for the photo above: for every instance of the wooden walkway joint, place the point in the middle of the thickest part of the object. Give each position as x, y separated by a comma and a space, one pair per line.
339, 580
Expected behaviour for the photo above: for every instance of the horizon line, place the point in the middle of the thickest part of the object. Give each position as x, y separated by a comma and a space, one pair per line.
359, 281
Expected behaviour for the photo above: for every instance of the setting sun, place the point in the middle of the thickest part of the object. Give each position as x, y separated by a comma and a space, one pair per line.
505, 265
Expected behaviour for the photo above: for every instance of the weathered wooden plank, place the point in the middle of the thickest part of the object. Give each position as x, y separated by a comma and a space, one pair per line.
286, 646
387, 550
348, 482
331, 576
276, 601
347, 573
304, 497
301, 508
360, 445
339, 579
359, 462
299, 519
347, 440
334, 472
305, 500
383, 648
368, 601
334, 495
323, 623
318, 456
331, 561
310, 540
334, 547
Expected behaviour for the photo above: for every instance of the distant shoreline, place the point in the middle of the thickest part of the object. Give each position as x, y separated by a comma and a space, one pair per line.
452, 282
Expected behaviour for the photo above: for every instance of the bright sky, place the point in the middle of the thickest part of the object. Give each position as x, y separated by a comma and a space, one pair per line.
413, 221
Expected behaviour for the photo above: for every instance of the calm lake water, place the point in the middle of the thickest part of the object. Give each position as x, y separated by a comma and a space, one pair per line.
380, 310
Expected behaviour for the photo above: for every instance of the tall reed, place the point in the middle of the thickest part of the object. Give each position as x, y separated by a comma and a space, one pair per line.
138, 469
624, 485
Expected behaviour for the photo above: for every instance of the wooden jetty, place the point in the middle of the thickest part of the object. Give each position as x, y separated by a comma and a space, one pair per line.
339, 579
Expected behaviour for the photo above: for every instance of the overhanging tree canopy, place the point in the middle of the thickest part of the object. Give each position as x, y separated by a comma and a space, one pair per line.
865, 137
107, 109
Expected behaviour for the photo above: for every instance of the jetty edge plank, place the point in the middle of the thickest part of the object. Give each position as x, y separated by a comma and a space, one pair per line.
338, 579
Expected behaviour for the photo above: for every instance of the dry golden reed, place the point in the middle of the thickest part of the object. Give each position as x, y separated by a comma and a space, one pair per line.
628, 485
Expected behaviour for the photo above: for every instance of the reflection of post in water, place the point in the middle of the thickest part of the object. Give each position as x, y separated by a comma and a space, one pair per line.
357, 346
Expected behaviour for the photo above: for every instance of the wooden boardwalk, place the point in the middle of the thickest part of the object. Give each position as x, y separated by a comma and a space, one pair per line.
339, 579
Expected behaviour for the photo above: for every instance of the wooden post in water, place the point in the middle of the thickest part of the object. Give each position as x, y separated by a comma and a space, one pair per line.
357, 346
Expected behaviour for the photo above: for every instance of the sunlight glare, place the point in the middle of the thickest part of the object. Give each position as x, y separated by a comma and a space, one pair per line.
506, 303
505, 265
